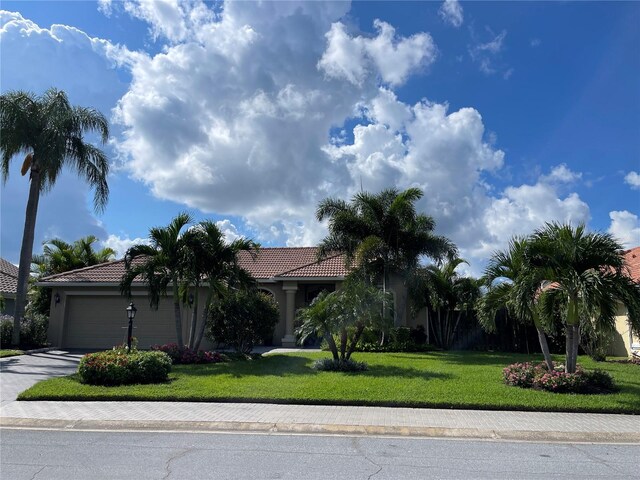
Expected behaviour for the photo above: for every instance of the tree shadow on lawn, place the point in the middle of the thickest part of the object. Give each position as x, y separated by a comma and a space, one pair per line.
286, 366
490, 359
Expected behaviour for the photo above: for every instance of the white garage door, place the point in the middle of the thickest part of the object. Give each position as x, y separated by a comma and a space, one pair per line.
98, 321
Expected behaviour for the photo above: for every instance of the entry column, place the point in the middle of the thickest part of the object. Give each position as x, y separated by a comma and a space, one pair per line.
290, 289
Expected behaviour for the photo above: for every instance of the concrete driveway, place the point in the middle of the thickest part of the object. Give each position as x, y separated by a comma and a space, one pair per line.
19, 373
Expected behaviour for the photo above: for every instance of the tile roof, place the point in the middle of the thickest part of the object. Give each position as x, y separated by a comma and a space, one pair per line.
632, 258
8, 277
290, 262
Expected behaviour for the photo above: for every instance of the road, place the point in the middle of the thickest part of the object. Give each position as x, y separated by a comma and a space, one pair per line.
67, 455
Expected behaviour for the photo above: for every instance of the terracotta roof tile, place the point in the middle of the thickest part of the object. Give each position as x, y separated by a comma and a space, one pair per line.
8, 277
632, 257
269, 262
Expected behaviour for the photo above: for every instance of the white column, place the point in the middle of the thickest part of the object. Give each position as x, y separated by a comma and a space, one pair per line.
290, 289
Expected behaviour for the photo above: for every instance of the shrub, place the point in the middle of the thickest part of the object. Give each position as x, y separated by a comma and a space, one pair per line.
6, 330
114, 367
243, 319
189, 356
331, 365
33, 331
537, 376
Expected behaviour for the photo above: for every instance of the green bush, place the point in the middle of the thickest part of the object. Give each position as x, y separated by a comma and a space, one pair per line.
537, 376
6, 330
33, 331
243, 319
331, 365
115, 367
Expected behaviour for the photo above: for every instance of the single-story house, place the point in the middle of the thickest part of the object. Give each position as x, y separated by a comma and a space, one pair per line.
87, 310
625, 343
8, 286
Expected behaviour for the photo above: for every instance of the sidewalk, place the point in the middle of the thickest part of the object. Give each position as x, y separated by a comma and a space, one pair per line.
19, 373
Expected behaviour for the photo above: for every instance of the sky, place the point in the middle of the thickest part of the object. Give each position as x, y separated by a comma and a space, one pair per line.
506, 114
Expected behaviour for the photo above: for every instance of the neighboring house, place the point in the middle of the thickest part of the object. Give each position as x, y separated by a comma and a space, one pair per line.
625, 343
8, 286
87, 310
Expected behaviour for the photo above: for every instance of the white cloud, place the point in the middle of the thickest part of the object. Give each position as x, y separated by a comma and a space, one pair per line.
633, 179
228, 229
122, 244
487, 54
535, 42
451, 12
625, 227
394, 58
561, 174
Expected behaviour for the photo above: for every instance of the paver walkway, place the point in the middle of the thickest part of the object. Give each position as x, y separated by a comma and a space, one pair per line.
574, 427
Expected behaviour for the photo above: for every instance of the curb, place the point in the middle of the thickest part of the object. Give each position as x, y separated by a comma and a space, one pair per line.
39, 350
326, 429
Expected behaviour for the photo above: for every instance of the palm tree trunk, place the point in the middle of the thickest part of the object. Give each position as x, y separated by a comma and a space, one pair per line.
194, 320
332, 345
544, 346
26, 251
572, 324
343, 343
455, 327
354, 340
178, 315
205, 317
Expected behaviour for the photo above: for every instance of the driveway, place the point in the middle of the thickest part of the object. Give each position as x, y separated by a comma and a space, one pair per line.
19, 373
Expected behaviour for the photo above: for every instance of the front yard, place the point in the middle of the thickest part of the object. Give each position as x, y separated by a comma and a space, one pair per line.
436, 379
10, 353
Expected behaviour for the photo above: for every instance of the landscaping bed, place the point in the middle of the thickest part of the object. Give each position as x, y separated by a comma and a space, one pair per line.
470, 380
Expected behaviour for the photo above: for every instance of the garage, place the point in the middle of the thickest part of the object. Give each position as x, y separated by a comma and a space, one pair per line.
100, 321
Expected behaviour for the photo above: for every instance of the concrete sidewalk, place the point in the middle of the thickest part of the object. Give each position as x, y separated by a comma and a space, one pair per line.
18, 373
180, 416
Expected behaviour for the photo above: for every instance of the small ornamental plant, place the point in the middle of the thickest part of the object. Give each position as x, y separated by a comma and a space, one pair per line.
538, 377
188, 356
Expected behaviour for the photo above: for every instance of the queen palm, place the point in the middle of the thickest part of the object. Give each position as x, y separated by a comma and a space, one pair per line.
512, 285
59, 256
159, 266
382, 233
587, 279
49, 131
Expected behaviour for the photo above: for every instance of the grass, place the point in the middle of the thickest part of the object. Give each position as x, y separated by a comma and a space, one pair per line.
436, 379
10, 353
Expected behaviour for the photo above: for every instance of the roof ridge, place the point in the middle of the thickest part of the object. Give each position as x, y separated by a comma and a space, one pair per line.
5, 272
316, 261
83, 269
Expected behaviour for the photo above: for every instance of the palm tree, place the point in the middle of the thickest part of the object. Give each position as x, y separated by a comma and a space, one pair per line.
587, 279
382, 233
59, 256
207, 257
49, 130
159, 266
512, 285
441, 289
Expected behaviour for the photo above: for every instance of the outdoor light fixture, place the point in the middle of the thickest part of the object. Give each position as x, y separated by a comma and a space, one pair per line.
190, 299
56, 298
131, 314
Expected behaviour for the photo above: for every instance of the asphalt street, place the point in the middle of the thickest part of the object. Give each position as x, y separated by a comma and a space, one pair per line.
52, 454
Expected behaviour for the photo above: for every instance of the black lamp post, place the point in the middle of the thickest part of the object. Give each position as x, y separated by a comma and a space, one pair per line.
131, 314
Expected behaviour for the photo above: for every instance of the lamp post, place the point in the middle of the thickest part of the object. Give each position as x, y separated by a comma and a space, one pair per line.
131, 314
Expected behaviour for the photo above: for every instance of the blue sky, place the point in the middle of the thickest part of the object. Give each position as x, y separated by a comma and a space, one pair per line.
506, 114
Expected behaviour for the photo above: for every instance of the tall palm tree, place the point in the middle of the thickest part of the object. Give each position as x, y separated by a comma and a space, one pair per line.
587, 279
382, 233
512, 285
208, 258
159, 266
49, 131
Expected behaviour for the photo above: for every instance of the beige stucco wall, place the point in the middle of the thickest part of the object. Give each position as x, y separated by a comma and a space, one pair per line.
94, 317
623, 342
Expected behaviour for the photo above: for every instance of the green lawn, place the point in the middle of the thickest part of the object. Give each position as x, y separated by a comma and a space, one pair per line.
435, 379
10, 353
